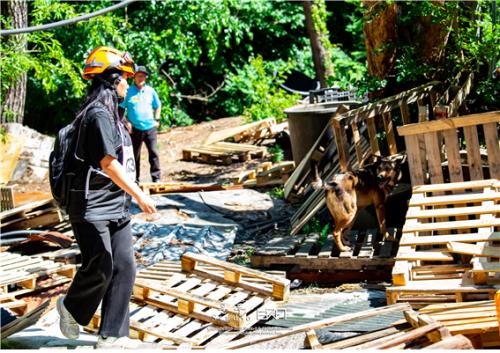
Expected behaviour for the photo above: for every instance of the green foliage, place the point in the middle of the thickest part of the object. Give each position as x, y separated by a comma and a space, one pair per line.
259, 88
319, 18
277, 154
277, 193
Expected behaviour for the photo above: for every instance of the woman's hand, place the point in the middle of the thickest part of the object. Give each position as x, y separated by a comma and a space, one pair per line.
146, 204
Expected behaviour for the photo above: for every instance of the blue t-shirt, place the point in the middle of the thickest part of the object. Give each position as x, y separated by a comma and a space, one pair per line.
140, 105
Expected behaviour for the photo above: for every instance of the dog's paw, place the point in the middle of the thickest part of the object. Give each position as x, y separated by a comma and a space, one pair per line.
345, 248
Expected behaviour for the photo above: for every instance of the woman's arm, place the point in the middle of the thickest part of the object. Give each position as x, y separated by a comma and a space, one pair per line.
114, 170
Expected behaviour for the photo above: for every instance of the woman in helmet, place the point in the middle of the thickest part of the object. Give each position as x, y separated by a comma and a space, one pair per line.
98, 204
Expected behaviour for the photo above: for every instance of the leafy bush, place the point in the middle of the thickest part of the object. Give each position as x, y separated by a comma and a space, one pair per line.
277, 154
259, 89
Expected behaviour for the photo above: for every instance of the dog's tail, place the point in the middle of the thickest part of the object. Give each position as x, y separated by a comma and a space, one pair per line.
318, 184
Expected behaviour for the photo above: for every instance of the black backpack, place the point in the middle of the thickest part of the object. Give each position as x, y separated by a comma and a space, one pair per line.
63, 163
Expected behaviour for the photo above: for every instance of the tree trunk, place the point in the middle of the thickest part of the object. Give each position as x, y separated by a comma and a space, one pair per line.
321, 56
12, 107
380, 37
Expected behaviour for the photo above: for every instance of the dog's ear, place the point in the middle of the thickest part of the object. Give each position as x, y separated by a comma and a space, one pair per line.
370, 159
399, 158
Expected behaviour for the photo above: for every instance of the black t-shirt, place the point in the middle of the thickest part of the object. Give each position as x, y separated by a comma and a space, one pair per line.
94, 196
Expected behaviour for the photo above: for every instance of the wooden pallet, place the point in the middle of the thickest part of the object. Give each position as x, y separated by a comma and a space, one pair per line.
266, 128
175, 187
437, 244
308, 253
477, 320
236, 275
223, 153
10, 302
266, 174
160, 318
24, 271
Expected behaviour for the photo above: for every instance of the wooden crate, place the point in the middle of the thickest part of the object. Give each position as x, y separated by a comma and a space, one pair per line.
308, 253
266, 174
477, 320
433, 262
223, 153
24, 272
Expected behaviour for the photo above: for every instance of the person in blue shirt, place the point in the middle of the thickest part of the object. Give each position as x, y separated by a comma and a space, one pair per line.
143, 114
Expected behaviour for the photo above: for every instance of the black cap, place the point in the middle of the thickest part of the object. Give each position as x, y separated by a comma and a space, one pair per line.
142, 69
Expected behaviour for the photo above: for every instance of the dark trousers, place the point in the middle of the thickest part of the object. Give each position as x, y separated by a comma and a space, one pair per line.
150, 140
107, 273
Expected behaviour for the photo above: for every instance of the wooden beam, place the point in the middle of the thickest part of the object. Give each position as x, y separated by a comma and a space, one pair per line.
443, 239
472, 249
452, 342
450, 123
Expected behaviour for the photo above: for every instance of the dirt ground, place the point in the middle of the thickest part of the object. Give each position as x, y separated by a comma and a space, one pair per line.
173, 168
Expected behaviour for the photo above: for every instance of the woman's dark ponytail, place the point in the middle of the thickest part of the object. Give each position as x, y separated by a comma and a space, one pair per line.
103, 89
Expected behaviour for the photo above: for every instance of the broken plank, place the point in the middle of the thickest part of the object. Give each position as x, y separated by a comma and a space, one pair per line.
471, 249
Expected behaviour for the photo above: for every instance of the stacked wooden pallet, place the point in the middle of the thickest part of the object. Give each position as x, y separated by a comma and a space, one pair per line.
266, 174
31, 210
173, 187
414, 332
252, 132
23, 274
223, 153
477, 320
449, 247
200, 302
312, 253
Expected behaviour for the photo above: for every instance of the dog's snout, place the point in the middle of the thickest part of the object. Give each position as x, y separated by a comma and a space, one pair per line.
380, 178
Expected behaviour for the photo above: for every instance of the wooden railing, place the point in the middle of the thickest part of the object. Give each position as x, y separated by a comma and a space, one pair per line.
428, 166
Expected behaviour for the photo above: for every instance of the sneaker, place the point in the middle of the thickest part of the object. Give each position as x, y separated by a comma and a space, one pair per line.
69, 327
122, 343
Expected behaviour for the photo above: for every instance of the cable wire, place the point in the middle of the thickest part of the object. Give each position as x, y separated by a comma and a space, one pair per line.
65, 22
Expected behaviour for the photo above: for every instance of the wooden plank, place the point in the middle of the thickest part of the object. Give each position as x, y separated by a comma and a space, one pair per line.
406, 337
453, 155
372, 133
425, 256
492, 144
405, 113
471, 249
400, 273
389, 128
497, 305
308, 245
451, 212
341, 140
479, 266
367, 245
226, 133
357, 142
477, 184
450, 123
362, 338
443, 239
319, 324
455, 199
327, 248
475, 223
453, 342
473, 153
434, 158
388, 104
416, 165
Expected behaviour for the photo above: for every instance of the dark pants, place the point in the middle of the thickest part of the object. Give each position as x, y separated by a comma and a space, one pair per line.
150, 140
107, 273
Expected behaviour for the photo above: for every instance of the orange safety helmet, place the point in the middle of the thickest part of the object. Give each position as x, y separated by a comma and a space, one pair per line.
104, 58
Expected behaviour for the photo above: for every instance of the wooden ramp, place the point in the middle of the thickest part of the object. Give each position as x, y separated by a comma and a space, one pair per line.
200, 302
223, 153
311, 252
449, 247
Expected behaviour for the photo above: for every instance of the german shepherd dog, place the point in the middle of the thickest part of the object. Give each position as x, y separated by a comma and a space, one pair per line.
350, 192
